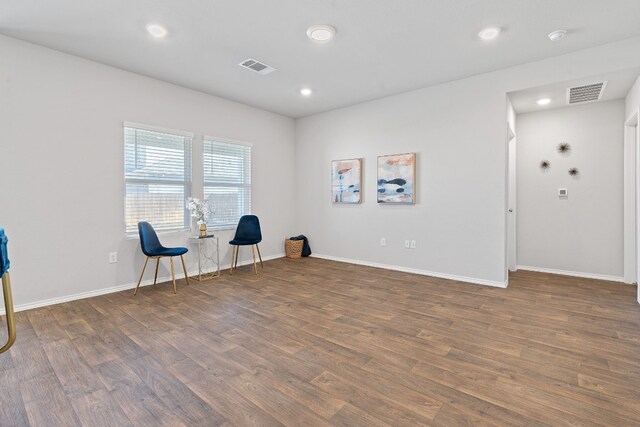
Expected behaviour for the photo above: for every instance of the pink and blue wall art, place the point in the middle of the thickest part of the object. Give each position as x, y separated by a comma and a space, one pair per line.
346, 181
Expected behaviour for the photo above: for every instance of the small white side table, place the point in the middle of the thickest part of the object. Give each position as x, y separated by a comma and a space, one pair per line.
208, 253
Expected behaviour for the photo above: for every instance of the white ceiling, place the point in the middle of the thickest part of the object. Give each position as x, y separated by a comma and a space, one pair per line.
618, 85
382, 47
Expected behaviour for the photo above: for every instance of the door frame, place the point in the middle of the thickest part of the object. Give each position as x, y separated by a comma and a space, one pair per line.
631, 197
511, 199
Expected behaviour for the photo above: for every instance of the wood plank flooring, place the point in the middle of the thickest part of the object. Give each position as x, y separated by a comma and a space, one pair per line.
311, 342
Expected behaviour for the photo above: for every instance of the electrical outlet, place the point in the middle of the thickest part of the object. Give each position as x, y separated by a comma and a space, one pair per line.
383, 241
407, 244
413, 244
113, 257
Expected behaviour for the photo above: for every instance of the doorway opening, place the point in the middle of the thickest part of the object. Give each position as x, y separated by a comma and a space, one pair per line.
567, 194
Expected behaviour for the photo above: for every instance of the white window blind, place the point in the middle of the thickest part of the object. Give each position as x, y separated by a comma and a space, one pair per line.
157, 170
227, 181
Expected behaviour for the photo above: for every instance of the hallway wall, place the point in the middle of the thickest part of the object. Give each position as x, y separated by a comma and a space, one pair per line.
583, 232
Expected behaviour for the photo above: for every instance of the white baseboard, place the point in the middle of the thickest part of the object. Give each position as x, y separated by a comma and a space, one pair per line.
113, 289
572, 273
416, 271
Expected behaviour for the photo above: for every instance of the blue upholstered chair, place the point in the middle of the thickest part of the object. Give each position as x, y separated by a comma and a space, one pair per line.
152, 248
247, 233
6, 290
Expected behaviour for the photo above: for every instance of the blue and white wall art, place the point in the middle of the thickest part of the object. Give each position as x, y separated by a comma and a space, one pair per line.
396, 178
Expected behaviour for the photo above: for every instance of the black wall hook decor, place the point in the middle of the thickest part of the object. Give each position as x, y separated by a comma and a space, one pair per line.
574, 172
564, 148
545, 165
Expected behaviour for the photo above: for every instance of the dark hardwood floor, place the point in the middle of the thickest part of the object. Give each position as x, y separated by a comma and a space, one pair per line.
311, 342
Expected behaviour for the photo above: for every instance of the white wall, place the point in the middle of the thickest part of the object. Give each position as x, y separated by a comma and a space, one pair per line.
458, 131
584, 232
61, 172
451, 204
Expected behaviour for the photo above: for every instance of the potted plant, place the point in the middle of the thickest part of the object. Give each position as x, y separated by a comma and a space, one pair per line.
199, 210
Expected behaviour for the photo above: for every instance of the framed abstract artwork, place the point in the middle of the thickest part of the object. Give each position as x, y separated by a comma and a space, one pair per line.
396, 178
346, 181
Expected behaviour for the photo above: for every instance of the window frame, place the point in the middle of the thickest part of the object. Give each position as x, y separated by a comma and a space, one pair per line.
210, 138
187, 183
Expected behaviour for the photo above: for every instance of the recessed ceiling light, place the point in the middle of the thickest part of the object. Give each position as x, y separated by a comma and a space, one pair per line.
156, 30
556, 35
489, 33
305, 91
321, 33
543, 101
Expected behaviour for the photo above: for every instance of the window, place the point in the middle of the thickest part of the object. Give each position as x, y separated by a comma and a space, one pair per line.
227, 181
157, 171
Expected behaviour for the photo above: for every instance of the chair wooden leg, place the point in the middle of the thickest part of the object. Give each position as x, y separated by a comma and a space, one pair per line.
237, 253
233, 255
173, 275
260, 256
155, 276
10, 314
184, 268
253, 252
141, 274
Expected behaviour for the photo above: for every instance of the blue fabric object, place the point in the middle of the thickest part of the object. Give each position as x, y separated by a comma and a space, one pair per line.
150, 244
4, 255
248, 231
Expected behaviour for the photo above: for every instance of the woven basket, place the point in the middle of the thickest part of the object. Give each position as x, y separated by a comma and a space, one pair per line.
293, 248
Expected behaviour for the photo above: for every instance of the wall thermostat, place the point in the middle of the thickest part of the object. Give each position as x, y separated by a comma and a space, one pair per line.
563, 193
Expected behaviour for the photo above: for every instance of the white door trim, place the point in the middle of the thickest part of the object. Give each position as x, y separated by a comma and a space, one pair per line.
511, 198
631, 197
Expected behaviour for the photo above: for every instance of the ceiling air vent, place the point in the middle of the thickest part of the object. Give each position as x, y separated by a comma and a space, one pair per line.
585, 93
257, 66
